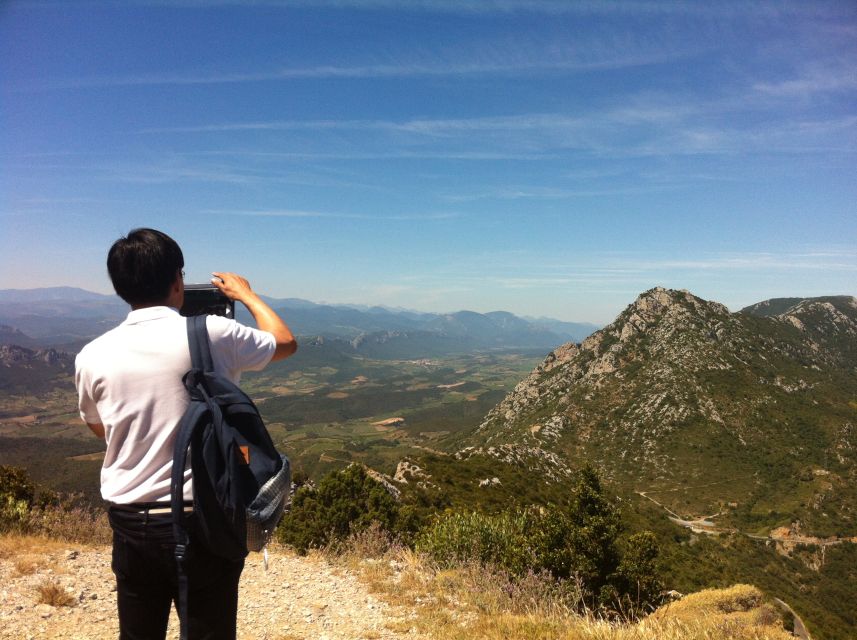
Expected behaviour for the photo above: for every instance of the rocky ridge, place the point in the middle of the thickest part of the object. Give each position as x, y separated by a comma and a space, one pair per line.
678, 387
15, 356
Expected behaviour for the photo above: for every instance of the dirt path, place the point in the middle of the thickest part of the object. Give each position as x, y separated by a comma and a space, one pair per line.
704, 524
296, 599
800, 630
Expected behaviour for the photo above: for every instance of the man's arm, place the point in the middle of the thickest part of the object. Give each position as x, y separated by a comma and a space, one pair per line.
237, 288
97, 429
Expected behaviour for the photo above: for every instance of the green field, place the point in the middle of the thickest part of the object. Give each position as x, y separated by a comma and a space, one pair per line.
321, 414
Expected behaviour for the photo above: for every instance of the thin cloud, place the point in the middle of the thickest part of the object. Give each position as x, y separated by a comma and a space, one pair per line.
551, 193
809, 84
297, 213
724, 8
514, 57
344, 72
392, 155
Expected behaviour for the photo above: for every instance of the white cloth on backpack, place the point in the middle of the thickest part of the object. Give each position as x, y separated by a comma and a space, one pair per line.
130, 380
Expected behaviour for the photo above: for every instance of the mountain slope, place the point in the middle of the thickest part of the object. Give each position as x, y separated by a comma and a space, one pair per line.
752, 417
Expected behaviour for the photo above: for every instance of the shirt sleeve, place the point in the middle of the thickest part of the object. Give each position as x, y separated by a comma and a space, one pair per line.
85, 402
243, 348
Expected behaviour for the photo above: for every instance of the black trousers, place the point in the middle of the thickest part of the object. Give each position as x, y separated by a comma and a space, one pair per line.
147, 581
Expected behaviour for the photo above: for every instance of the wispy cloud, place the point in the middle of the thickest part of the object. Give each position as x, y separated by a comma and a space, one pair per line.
369, 155
724, 8
296, 213
647, 125
837, 78
345, 72
551, 193
489, 57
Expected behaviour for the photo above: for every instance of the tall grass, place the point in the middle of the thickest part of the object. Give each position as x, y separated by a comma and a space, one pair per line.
472, 601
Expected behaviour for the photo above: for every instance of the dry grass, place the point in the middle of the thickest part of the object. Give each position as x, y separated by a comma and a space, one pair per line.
472, 602
26, 566
15, 545
52, 593
78, 524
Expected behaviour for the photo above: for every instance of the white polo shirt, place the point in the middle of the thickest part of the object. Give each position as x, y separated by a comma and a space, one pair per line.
130, 380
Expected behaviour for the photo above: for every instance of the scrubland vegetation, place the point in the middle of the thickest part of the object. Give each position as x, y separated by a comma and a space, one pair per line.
555, 572
28, 509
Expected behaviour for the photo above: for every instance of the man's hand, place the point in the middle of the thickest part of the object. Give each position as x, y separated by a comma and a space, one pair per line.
237, 288
232, 286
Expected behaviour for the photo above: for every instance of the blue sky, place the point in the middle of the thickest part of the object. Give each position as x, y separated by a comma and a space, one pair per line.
545, 158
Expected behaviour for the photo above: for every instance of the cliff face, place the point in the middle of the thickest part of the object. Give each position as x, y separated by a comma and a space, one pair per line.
679, 391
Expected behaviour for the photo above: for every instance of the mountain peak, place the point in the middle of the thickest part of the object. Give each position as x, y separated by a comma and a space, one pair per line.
659, 300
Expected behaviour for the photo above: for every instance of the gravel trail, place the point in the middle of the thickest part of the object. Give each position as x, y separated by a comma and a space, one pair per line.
298, 598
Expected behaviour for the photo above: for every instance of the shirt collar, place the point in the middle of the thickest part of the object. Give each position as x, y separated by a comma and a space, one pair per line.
150, 313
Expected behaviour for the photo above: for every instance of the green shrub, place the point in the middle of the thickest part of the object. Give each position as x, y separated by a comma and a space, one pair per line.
578, 541
344, 502
17, 494
639, 585
501, 541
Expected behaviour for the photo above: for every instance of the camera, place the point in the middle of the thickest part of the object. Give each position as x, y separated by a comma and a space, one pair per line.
206, 299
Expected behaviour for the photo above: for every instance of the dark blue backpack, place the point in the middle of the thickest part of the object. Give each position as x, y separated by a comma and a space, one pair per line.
240, 481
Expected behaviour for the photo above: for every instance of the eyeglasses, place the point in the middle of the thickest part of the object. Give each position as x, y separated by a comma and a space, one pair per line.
182, 274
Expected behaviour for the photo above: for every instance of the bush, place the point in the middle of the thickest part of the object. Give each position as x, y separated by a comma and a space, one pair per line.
26, 509
578, 541
344, 502
502, 541
17, 494
639, 581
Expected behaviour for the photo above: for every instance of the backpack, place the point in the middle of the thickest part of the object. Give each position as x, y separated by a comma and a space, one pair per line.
241, 482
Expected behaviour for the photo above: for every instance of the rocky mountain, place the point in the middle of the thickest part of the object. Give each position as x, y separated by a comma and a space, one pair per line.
11, 335
32, 371
749, 415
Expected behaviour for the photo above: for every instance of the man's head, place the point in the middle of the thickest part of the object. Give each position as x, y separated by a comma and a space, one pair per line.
144, 267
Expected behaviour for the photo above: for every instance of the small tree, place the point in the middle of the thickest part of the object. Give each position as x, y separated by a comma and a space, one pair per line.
580, 539
639, 581
593, 535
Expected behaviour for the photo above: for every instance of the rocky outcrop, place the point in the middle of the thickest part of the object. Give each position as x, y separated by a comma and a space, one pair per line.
15, 356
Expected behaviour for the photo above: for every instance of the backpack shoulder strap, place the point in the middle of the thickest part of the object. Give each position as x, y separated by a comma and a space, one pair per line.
200, 345
200, 355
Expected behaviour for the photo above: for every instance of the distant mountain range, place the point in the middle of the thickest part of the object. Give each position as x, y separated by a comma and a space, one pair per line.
67, 317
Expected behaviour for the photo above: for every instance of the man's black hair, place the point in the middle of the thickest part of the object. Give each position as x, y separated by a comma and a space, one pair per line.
143, 266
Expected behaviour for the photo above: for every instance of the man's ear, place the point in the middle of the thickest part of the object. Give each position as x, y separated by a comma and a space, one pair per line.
177, 292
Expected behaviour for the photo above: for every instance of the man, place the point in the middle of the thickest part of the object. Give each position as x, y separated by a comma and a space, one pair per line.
130, 391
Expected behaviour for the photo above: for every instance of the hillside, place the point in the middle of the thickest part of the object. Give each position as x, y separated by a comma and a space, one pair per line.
33, 371
731, 435
757, 413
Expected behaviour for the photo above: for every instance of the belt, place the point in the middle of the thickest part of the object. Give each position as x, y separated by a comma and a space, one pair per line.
152, 508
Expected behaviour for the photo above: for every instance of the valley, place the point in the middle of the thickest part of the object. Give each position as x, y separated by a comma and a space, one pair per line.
323, 415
